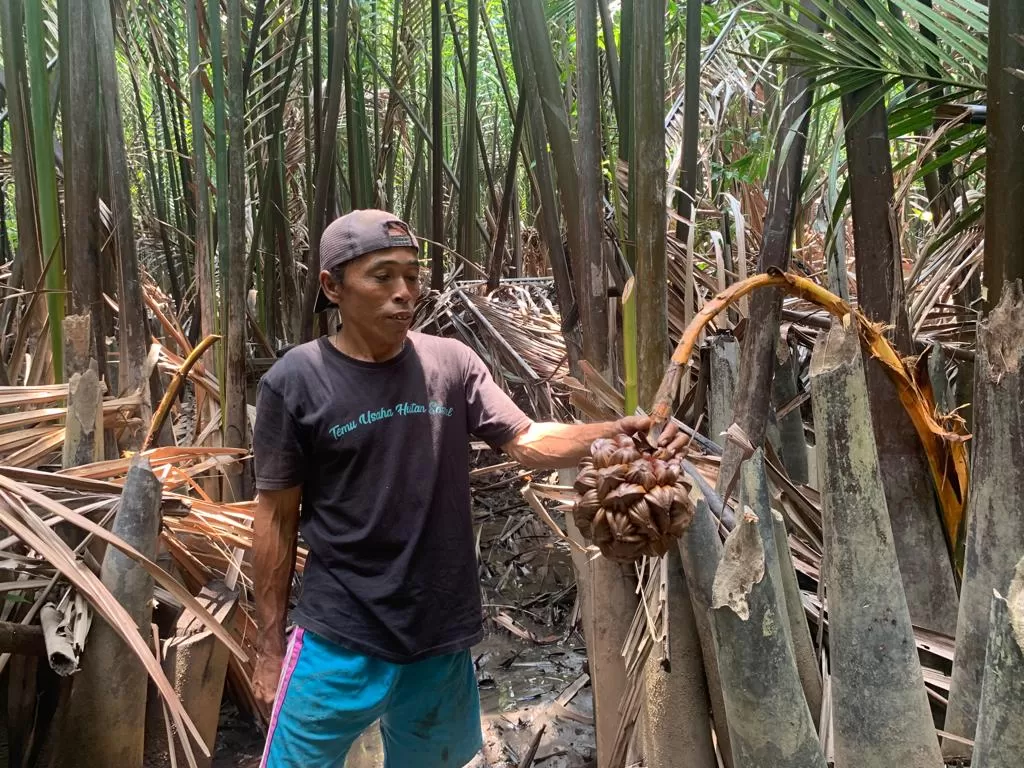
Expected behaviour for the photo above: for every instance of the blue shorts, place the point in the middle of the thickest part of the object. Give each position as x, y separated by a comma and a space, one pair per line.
429, 710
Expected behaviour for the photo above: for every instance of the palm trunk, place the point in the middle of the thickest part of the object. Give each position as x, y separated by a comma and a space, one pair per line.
469, 192
591, 276
994, 529
324, 166
46, 184
437, 150
16, 86
204, 267
236, 432
134, 340
81, 172
920, 546
753, 396
1004, 171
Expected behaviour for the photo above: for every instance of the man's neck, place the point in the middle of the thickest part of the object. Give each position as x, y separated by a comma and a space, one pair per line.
356, 345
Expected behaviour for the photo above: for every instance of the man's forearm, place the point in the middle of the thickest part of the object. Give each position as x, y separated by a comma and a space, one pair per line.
550, 445
275, 534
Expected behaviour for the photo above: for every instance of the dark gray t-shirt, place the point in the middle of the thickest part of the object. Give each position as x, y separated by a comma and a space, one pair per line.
382, 453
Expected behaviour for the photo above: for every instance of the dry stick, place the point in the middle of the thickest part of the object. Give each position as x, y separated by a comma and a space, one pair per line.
946, 450
527, 760
172, 391
171, 753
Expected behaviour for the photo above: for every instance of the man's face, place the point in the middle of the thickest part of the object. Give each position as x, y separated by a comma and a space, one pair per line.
378, 293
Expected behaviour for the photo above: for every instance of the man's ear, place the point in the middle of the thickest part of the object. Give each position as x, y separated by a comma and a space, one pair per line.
332, 290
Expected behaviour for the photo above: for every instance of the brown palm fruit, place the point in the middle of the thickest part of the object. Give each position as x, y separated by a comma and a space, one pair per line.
632, 500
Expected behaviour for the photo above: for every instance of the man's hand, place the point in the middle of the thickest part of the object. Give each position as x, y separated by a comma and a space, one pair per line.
275, 534
266, 675
550, 445
672, 438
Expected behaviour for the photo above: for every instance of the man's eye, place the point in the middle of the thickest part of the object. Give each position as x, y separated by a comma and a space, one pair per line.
381, 278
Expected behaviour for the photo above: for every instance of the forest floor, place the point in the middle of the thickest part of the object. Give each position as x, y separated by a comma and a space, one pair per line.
531, 665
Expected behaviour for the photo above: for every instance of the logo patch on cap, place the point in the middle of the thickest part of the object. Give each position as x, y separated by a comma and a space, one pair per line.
399, 235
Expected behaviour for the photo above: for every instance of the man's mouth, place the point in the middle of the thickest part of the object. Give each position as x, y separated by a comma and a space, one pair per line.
402, 317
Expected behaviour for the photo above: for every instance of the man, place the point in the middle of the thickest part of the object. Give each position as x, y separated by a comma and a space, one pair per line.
369, 428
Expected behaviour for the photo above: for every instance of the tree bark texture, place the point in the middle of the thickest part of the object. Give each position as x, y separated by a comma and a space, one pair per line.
236, 420
111, 687
753, 397
724, 363
611, 601
786, 387
686, 196
591, 275
204, 266
134, 341
81, 177
676, 708
880, 708
755, 494
647, 171
1004, 171
83, 439
920, 545
799, 630
770, 725
999, 740
995, 526
701, 550
12, 21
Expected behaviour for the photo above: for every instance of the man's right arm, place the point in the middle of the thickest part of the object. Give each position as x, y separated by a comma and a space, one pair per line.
275, 538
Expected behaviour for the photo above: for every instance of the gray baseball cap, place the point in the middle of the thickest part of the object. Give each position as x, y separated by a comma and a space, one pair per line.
356, 234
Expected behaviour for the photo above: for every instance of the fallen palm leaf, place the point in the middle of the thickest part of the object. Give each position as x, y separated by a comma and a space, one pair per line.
27, 526
945, 448
163, 578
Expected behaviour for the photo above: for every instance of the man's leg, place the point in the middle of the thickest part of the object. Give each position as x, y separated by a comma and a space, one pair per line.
433, 716
327, 696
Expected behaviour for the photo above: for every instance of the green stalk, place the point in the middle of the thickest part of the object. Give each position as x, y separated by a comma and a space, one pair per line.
46, 183
324, 166
233, 390
437, 150
629, 356
469, 199
220, 134
204, 268
647, 188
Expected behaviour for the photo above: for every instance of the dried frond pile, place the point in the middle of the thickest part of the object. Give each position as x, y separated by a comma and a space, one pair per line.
634, 502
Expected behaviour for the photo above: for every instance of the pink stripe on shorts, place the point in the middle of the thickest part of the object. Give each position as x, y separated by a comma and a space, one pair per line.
291, 658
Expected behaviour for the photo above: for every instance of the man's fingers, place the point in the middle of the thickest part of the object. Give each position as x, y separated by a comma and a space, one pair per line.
668, 434
631, 424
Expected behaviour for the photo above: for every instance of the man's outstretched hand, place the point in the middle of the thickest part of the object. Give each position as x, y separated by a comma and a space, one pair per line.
672, 439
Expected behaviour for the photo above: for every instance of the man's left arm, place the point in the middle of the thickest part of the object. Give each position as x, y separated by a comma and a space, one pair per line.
540, 445
551, 445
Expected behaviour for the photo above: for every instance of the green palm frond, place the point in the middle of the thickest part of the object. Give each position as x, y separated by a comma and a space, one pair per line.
870, 38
